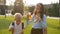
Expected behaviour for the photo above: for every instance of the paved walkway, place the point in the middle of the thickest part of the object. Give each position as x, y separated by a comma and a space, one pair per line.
47, 17
53, 17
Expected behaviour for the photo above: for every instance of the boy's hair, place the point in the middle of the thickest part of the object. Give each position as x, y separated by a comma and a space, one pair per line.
17, 16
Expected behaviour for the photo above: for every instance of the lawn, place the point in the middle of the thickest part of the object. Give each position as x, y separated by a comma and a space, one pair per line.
52, 25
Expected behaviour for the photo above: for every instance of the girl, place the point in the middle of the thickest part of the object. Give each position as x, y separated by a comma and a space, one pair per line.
39, 26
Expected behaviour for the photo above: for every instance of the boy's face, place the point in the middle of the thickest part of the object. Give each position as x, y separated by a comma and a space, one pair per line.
18, 20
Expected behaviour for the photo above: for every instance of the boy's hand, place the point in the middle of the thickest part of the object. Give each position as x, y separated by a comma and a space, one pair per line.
12, 30
22, 32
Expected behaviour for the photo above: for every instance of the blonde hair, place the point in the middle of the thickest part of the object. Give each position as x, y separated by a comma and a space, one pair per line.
29, 16
17, 16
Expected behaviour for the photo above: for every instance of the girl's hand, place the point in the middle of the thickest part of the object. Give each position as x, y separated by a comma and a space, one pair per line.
38, 18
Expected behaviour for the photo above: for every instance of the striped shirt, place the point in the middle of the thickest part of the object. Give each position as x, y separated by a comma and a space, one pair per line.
41, 24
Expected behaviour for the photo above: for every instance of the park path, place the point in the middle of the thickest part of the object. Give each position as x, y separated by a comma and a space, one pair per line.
53, 17
47, 17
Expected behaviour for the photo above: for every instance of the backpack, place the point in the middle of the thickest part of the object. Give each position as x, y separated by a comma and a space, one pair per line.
22, 25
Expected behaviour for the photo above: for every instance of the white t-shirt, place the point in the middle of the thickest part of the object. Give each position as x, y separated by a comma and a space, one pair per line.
17, 28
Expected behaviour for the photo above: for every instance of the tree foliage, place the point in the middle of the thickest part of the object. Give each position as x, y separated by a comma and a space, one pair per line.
54, 11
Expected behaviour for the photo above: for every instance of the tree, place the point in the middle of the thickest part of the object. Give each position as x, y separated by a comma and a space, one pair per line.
54, 11
31, 9
26, 8
18, 6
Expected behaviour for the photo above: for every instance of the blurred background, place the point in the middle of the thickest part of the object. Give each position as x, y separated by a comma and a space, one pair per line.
9, 7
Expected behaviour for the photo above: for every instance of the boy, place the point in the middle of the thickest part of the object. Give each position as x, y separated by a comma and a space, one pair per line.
17, 27
28, 19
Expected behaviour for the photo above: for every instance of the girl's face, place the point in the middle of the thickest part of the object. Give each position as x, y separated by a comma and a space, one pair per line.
38, 8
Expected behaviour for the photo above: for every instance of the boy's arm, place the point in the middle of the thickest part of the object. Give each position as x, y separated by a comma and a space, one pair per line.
11, 28
22, 32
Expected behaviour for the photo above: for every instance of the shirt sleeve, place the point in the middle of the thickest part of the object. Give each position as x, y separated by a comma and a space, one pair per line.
10, 26
44, 21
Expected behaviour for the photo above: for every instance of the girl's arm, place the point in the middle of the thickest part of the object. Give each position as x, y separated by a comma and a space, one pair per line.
32, 19
45, 31
44, 25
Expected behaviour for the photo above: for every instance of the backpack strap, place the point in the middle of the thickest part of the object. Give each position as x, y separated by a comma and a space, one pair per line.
22, 25
13, 23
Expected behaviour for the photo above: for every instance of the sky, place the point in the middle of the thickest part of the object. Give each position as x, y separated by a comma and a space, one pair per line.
33, 2
9, 2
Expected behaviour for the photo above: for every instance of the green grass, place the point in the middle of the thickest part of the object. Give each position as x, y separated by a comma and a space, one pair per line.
52, 25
